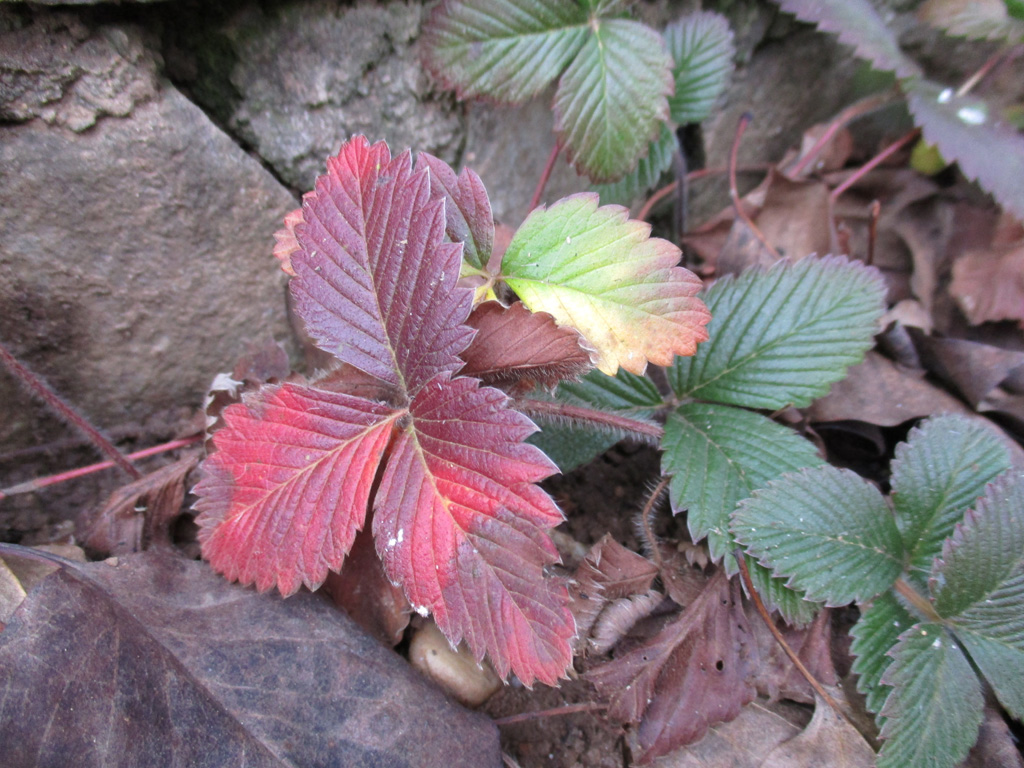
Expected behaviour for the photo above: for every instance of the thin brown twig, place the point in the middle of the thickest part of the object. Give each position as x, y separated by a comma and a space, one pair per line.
875, 161
545, 175
41, 389
734, 194
568, 709
848, 115
670, 189
42, 482
983, 70
756, 598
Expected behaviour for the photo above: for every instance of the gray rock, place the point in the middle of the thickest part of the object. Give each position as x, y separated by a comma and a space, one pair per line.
55, 67
303, 77
136, 257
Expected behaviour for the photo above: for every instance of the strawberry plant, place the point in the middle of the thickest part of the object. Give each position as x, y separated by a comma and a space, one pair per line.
407, 429
621, 84
938, 569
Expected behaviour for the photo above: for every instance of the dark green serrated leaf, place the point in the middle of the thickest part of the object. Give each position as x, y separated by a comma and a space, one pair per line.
783, 336
1015, 8
718, 455
857, 23
505, 50
985, 555
980, 578
702, 49
937, 475
571, 446
612, 98
874, 635
967, 130
645, 176
826, 530
935, 708
792, 605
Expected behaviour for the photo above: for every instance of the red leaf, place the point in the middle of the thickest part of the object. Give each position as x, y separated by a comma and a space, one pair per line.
461, 526
282, 498
513, 343
468, 217
375, 282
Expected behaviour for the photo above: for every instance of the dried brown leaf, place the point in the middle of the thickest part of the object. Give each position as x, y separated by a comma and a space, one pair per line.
989, 284
692, 674
827, 740
513, 344
139, 515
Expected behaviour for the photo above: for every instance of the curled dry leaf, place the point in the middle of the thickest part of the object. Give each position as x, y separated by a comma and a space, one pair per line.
827, 740
454, 669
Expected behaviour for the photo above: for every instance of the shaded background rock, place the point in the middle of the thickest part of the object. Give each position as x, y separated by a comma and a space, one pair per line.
293, 80
135, 259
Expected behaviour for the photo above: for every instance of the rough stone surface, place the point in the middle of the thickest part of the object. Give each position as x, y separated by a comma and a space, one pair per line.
297, 79
136, 258
56, 67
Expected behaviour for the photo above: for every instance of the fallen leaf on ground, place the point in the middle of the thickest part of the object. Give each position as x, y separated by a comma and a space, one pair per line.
157, 661
989, 284
828, 740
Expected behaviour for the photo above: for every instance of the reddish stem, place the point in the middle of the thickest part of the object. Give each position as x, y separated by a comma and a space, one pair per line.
642, 430
670, 189
734, 194
568, 709
766, 617
881, 157
858, 109
40, 389
43, 482
544, 176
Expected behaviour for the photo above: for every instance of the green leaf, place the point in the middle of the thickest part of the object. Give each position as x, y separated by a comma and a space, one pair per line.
874, 635
980, 578
600, 272
571, 445
857, 23
1015, 8
647, 173
935, 708
794, 606
967, 130
718, 455
980, 19
985, 555
826, 530
701, 47
783, 336
937, 475
611, 99
506, 50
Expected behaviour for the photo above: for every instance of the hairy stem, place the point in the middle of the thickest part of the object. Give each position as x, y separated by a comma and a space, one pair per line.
641, 430
40, 389
645, 524
549, 166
